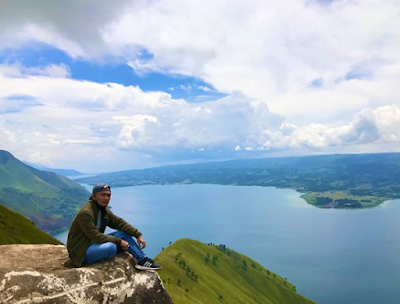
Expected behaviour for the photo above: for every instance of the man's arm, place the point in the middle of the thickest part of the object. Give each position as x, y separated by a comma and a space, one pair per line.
86, 221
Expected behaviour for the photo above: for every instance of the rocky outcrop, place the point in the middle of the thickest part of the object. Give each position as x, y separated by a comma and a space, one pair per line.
36, 274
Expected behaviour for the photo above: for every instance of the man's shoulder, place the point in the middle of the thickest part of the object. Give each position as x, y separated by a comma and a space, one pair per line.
87, 208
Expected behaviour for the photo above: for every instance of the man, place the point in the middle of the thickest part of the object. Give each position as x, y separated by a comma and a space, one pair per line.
87, 243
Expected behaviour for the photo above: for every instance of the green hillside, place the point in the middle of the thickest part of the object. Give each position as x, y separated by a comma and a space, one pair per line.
47, 199
197, 273
16, 229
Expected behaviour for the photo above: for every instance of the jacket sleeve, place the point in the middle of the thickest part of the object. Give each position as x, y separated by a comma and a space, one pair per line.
86, 222
118, 223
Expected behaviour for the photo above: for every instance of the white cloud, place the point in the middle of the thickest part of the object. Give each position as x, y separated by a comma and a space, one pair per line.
64, 121
204, 88
55, 115
18, 70
274, 50
271, 51
331, 71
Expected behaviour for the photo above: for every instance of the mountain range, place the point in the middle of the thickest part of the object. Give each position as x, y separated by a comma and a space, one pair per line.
339, 181
64, 172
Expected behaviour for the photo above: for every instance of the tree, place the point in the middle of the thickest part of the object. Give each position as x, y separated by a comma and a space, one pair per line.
207, 258
215, 260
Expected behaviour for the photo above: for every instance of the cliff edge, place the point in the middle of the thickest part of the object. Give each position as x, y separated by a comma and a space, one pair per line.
36, 274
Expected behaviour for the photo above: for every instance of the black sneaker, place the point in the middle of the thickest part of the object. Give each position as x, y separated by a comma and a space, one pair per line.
147, 264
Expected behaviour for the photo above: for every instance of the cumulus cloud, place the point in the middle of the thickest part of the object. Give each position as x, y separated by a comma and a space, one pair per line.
378, 126
55, 117
298, 74
73, 26
272, 51
19, 70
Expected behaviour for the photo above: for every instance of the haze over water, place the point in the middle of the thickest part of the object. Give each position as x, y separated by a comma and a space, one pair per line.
332, 256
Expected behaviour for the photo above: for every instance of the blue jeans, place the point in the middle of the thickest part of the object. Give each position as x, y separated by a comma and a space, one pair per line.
104, 251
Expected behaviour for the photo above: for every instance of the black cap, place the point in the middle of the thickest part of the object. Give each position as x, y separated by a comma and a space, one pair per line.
100, 187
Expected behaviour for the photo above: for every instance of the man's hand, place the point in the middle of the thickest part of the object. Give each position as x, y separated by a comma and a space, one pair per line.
124, 245
141, 242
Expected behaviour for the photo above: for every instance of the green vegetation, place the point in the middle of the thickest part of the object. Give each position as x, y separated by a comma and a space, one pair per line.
360, 180
199, 273
16, 229
47, 199
341, 200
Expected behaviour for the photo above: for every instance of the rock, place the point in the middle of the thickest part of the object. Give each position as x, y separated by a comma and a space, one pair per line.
36, 274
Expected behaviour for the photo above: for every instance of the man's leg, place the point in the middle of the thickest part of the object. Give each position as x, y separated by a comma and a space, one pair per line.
133, 249
144, 263
98, 252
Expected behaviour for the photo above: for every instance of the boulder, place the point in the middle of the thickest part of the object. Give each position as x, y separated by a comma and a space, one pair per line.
36, 274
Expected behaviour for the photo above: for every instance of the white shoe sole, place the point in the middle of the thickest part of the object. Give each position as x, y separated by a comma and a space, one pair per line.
146, 268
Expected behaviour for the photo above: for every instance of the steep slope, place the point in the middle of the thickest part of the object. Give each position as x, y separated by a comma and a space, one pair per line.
16, 229
197, 273
48, 199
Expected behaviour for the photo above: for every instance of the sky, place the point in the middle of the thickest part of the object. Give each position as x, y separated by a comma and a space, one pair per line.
103, 86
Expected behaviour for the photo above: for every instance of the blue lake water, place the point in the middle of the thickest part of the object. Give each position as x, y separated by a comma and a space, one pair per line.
332, 256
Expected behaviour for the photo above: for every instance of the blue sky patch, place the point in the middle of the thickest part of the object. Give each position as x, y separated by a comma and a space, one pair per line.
179, 86
16, 103
317, 83
356, 74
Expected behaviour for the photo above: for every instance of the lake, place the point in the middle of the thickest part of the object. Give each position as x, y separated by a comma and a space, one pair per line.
331, 256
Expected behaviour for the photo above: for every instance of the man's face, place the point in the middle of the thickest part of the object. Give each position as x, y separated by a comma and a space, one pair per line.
102, 197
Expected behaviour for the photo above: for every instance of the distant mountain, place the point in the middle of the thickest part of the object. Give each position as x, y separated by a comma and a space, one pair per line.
338, 181
64, 172
194, 272
16, 229
47, 199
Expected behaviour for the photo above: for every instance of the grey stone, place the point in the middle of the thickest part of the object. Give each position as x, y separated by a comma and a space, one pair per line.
37, 274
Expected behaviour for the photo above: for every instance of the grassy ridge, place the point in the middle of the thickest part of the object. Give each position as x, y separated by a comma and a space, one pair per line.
49, 200
16, 229
197, 273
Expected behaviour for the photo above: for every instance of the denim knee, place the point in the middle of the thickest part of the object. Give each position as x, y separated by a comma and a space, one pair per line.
110, 250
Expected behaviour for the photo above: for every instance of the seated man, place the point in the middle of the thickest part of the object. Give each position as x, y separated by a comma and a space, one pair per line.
87, 242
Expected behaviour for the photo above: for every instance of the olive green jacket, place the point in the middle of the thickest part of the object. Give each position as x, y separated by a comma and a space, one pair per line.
84, 230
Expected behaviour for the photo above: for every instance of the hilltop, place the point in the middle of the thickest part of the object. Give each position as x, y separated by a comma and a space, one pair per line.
16, 229
198, 273
47, 199
328, 181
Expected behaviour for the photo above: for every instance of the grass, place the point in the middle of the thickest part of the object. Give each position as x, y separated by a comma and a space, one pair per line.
314, 198
16, 229
198, 273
